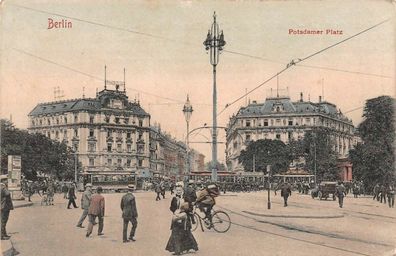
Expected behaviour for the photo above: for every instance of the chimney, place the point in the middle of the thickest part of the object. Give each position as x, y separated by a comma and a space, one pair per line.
301, 97
320, 99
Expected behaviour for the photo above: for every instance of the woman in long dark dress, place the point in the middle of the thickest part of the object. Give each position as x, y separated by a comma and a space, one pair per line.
181, 238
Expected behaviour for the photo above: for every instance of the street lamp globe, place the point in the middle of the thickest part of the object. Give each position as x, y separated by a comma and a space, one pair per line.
187, 109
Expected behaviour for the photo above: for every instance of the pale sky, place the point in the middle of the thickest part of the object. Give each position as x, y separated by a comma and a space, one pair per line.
170, 61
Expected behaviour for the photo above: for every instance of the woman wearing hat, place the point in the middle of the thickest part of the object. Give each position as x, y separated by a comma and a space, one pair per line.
181, 238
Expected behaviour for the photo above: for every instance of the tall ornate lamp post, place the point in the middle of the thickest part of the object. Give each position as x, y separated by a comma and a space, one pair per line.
187, 111
214, 44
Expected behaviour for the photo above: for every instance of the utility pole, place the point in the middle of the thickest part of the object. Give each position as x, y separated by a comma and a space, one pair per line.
315, 158
214, 43
75, 166
269, 187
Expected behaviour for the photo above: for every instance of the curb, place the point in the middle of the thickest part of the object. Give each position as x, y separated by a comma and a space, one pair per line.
295, 216
27, 204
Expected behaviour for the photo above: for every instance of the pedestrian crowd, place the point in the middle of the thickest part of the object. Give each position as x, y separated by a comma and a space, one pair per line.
182, 204
383, 192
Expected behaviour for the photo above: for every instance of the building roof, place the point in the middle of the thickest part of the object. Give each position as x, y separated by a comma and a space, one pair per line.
84, 104
283, 105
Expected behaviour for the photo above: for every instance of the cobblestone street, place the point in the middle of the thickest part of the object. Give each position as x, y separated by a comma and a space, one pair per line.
362, 227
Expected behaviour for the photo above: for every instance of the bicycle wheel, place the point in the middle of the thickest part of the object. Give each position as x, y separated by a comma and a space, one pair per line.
221, 221
194, 226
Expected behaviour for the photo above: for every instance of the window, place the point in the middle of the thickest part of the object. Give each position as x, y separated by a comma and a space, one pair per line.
290, 122
65, 134
140, 135
109, 161
278, 121
128, 135
128, 163
119, 161
49, 122
75, 132
117, 120
75, 118
57, 135
284, 122
247, 123
265, 122
247, 137
109, 147
109, 133
91, 119
119, 134
272, 122
91, 133
290, 135
57, 120
278, 136
140, 123
126, 120
119, 149
65, 120
91, 162
129, 148
140, 162
91, 147
277, 109
107, 119
41, 122
32, 122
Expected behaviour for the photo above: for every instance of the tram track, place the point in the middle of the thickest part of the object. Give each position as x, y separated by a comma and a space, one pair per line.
306, 231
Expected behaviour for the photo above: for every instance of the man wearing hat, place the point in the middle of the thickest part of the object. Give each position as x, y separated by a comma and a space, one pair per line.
6, 207
85, 203
129, 214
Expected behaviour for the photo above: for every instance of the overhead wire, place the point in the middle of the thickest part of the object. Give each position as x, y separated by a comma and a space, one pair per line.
89, 75
294, 62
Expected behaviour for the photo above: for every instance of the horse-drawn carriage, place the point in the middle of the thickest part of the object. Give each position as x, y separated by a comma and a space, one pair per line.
325, 190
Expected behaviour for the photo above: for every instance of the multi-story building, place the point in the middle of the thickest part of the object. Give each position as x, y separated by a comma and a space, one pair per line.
168, 156
285, 120
197, 161
109, 133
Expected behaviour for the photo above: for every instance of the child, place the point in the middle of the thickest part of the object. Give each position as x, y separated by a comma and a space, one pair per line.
181, 238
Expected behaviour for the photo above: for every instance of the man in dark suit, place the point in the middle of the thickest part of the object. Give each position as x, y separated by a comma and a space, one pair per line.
72, 195
96, 209
285, 192
6, 207
129, 214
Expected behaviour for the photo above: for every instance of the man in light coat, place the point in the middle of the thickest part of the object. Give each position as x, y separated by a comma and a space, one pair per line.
129, 214
85, 203
96, 209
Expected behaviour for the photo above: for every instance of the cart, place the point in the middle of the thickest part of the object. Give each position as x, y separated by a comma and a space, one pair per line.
325, 190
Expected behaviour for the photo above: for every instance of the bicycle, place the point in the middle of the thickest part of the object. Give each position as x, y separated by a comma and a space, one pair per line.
221, 222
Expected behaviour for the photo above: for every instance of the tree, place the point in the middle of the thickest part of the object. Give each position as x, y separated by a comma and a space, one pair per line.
220, 166
374, 160
266, 152
38, 153
317, 148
